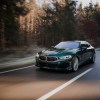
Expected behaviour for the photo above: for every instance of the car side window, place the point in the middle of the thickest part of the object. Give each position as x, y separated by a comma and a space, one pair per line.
85, 45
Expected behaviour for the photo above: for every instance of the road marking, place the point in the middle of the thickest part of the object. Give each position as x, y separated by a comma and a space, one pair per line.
16, 69
46, 96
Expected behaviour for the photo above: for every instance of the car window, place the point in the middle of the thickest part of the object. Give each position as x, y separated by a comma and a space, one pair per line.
85, 45
70, 45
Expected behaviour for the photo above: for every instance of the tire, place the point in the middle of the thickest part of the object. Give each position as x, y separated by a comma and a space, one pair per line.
92, 59
75, 64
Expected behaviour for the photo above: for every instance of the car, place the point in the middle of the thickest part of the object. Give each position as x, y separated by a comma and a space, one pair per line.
67, 55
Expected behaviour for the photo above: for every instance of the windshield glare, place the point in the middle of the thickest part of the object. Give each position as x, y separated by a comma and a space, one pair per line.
69, 45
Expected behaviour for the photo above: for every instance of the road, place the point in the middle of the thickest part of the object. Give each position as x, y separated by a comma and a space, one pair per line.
31, 83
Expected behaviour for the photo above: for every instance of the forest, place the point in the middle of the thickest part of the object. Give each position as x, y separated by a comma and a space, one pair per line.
25, 23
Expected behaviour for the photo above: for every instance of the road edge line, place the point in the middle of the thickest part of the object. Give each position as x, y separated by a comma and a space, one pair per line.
16, 69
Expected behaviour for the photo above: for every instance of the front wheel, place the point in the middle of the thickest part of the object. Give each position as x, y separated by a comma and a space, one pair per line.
75, 64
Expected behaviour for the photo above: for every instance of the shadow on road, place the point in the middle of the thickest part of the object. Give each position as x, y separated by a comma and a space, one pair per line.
34, 74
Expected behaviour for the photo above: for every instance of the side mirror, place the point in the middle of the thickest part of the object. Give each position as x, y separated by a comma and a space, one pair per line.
83, 48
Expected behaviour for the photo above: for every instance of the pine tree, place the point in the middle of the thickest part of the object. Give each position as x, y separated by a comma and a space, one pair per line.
10, 10
60, 22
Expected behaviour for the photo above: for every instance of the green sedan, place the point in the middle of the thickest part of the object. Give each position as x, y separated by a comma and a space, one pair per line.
67, 55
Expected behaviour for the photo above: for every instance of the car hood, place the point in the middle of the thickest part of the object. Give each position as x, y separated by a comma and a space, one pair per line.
58, 52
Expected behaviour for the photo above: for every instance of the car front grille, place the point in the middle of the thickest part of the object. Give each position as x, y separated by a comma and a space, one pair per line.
51, 58
42, 58
47, 58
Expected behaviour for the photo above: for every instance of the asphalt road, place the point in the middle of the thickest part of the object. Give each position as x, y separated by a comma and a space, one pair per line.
31, 83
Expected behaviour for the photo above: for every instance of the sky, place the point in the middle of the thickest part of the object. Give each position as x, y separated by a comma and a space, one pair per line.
39, 2
84, 2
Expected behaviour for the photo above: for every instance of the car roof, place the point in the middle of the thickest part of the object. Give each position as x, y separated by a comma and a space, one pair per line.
82, 42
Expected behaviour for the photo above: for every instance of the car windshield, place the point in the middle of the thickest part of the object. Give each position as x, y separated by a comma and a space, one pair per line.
69, 45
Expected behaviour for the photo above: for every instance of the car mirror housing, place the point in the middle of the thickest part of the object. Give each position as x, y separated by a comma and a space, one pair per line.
83, 48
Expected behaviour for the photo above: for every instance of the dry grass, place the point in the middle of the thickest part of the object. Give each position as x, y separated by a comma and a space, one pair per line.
19, 52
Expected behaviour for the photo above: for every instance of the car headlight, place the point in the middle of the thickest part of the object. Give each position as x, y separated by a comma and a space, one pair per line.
66, 57
37, 55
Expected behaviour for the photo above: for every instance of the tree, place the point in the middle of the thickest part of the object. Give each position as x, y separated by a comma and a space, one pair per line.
96, 16
89, 22
10, 10
60, 22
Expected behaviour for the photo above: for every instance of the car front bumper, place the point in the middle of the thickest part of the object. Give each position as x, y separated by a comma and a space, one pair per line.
58, 65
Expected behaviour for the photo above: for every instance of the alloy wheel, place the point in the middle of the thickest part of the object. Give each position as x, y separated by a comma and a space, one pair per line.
75, 64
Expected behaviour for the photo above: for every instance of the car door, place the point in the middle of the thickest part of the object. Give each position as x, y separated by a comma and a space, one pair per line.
84, 52
89, 50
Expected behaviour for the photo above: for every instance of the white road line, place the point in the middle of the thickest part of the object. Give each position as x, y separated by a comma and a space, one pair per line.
16, 69
46, 96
